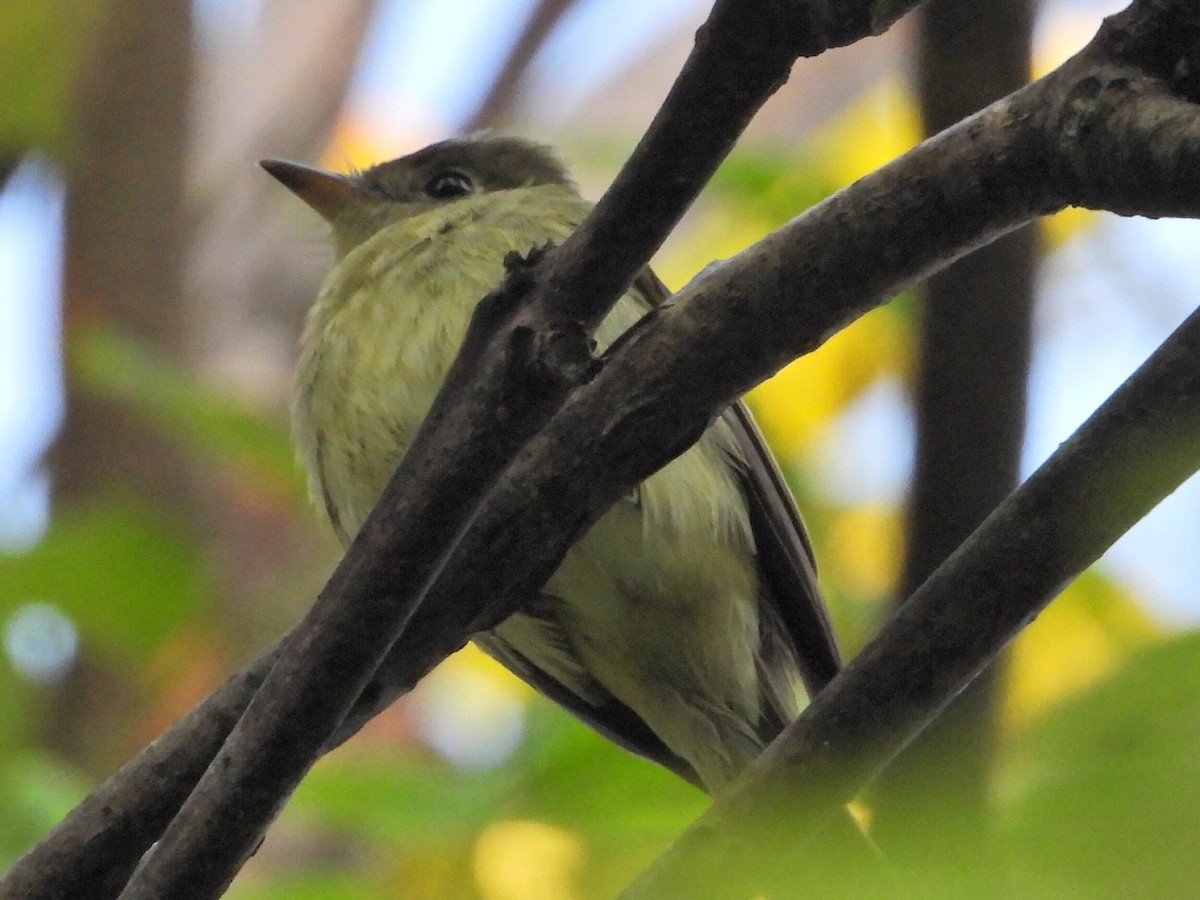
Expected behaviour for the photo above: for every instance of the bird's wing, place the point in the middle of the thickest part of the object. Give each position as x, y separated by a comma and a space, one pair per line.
589, 701
785, 559
787, 566
795, 625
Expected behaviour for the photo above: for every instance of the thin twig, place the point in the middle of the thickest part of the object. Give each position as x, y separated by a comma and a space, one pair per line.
503, 92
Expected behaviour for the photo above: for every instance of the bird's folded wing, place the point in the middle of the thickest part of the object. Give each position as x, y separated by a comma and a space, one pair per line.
592, 703
785, 559
787, 566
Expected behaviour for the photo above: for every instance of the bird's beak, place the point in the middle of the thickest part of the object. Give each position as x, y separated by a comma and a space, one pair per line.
327, 192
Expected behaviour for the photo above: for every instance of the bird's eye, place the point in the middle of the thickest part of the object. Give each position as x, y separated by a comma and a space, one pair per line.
448, 185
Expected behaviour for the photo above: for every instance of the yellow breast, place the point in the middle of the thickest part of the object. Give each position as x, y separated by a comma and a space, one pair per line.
386, 326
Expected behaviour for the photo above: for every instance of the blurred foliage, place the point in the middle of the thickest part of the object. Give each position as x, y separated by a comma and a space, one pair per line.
117, 570
115, 367
1101, 796
36, 791
1085, 634
41, 43
571, 816
567, 815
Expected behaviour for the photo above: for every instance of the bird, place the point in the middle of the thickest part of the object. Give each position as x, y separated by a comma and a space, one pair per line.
687, 624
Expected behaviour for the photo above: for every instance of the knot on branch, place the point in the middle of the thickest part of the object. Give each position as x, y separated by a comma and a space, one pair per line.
1129, 144
1185, 78
524, 264
559, 353
515, 357
1151, 35
514, 292
553, 355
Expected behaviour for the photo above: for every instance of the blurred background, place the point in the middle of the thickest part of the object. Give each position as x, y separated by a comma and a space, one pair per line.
155, 533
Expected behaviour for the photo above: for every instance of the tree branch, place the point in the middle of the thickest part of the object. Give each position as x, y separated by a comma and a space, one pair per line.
1135, 450
742, 56
92, 852
500, 96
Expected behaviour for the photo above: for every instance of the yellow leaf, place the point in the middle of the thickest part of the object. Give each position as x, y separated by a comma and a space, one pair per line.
1061, 227
516, 860
796, 403
863, 550
712, 233
1079, 639
488, 681
879, 126
358, 144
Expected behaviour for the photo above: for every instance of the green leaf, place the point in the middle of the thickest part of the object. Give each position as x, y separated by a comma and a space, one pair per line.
41, 42
774, 186
572, 777
36, 792
121, 573
1104, 797
400, 799
307, 884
